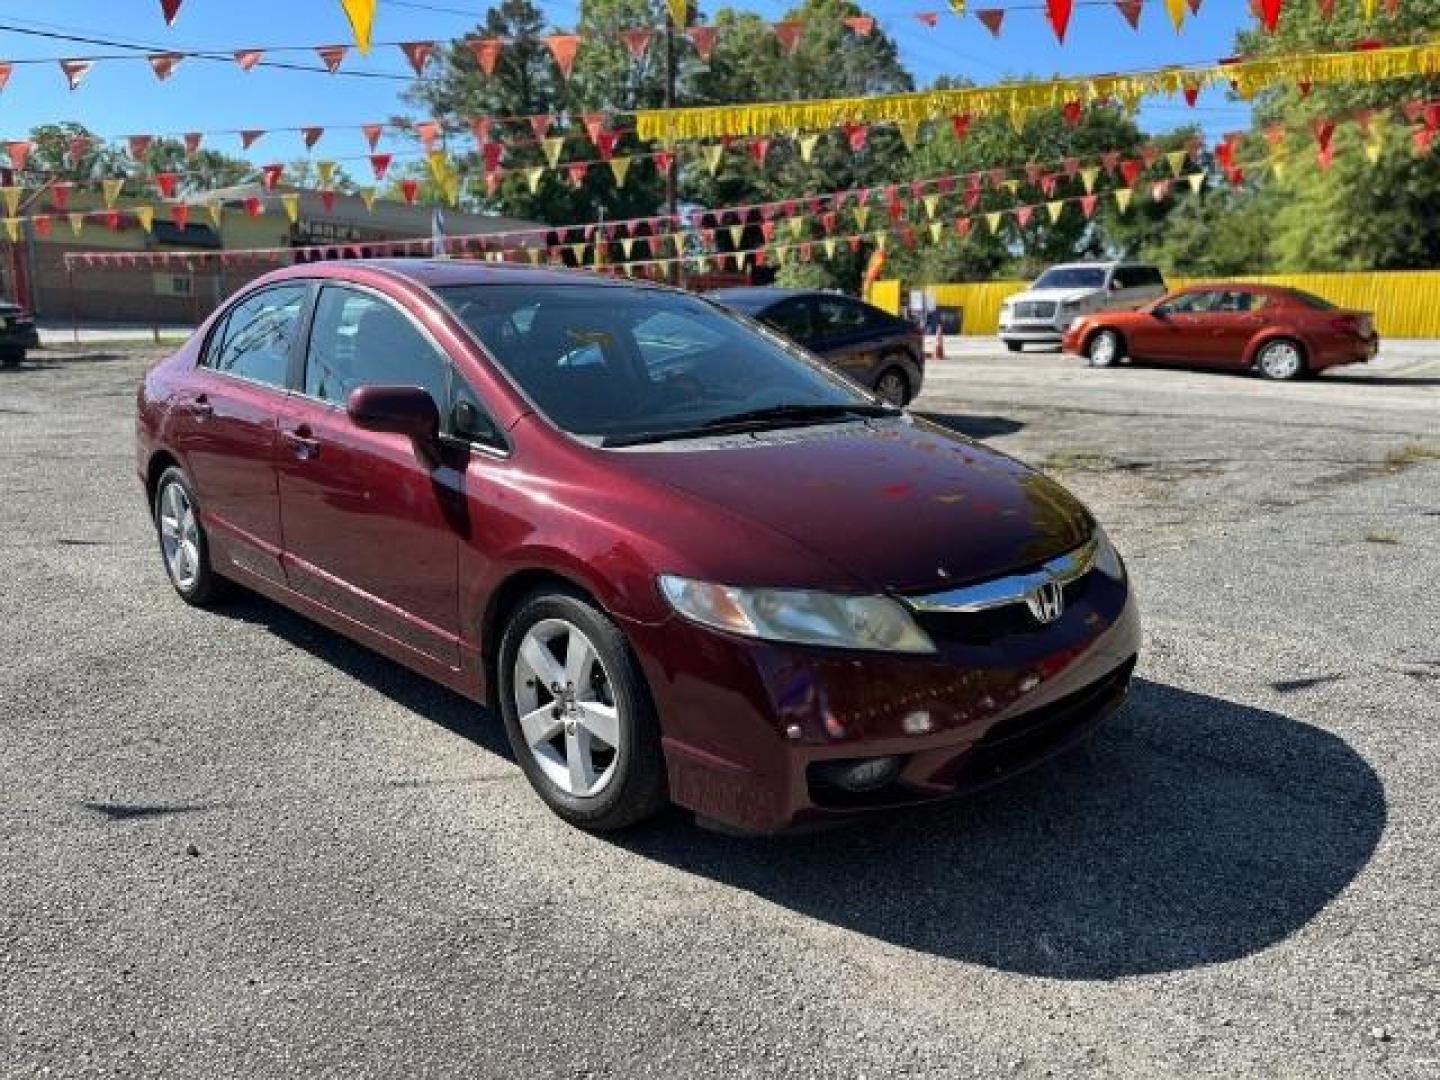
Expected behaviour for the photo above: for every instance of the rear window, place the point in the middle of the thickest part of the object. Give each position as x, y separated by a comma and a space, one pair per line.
1312, 301
1137, 277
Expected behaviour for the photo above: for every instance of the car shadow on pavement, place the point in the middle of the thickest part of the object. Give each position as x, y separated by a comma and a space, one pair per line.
1190, 831
977, 427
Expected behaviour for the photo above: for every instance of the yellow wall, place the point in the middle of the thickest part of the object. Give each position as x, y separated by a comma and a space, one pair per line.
1405, 303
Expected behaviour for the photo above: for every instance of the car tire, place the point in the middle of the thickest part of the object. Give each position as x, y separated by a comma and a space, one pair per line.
893, 387
1104, 349
11, 357
1015, 346
184, 547
1281, 359
580, 723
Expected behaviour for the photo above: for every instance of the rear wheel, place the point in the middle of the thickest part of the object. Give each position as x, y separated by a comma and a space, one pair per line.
578, 713
893, 387
1014, 346
1103, 350
11, 357
1280, 360
183, 544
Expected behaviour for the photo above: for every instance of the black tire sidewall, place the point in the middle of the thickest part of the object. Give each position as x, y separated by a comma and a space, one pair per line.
207, 583
638, 789
899, 372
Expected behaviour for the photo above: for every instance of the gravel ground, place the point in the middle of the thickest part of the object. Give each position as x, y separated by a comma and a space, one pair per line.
234, 844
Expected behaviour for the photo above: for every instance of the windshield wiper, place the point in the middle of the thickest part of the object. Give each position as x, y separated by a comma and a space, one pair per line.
752, 419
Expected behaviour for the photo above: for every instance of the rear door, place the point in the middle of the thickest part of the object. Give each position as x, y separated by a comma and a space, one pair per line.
1226, 327
371, 530
224, 426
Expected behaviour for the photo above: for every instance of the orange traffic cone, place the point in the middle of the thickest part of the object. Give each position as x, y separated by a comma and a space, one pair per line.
938, 344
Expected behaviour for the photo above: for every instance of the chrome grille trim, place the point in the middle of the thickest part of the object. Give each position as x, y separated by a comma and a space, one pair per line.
1012, 589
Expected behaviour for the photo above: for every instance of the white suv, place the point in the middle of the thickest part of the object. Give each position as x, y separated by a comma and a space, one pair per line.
1040, 314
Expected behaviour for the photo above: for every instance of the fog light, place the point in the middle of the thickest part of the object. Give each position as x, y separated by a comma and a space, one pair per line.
860, 774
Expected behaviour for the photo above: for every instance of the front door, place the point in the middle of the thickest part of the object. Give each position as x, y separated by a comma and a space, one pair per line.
225, 432
371, 529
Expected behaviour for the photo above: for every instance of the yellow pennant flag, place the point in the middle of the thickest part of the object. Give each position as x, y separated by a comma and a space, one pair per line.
797, 227
1122, 198
12, 199
1176, 8
216, 210
532, 177
620, 166
992, 219
743, 260
367, 196
553, 147
678, 9
361, 14
1279, 166
830, 247
932, 204
77, 223
1197, 181
862, 214
958, 7
1176, 160
702, 264
1054, 208
1372, 150
881, 241
146, 216
533, 254
291, 202
578, 250
12, 229
626, 246
110, 191
737, 235
1368, 7
450, 188
1012, 186
324, 173
1088, 177
909, 132
1018, 112
937, 229
807, 147
713, 154
439, 167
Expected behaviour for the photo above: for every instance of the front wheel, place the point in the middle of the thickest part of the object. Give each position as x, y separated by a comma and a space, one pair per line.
1014, 346
1280, 360
1104, 349
578, 713
893, 387
11, 357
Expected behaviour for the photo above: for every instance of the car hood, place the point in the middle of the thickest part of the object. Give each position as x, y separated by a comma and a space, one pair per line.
1058, 295
897, 504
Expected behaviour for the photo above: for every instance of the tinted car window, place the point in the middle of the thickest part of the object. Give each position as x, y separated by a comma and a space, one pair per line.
254, 340
358, 339
835, 315
1190, 303
792, 318
1136, 277
1313, 301
1071, 277
605, 361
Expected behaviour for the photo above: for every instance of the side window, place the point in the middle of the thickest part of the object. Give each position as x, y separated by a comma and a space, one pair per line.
254, 340
357, 339
466, 418
792, 318
1239, 301
835, 315
1179, 304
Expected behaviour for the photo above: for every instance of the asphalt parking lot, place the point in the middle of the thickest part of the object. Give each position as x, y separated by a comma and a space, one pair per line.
232, 843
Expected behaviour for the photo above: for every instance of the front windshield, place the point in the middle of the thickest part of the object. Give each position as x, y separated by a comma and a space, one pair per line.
1071, 277
611, 363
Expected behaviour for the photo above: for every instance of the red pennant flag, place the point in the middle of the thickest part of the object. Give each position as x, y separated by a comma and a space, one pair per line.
379, 163
962, 227
1023, 215
1324, 131
480, 128
192, 143
163, 64
1159, 189
636, 42
539, 124
427, 131
991, 19
5, 69
418, 53
997, 178
863, 25
1109, 160
1148, 153
827, 221
311, 135
248, 58
788, 35
409, 187
758, 149
1087, 204
372, 133
1058, 12
112, 220
703, 38
249, 137
1033, 173
1072, 111
330, 56
1130, 169
1047, 185
663, 160
605, 141
60, 195
76, 70
929, 18
960, 125
41, 224
1422, 137
1327, 8
562, 48
487, 52
180, 215
138, 145
1072, 167
270, 175
576, 169
169, 9
1413, 110
907, 236
1191, 92
1430, 115
1194, 6
594, 125
767, 230
165, 181
855, 135
327, 199
1131, 9
1270, 14
252, 206
1325, 156
492, 152
1304, 86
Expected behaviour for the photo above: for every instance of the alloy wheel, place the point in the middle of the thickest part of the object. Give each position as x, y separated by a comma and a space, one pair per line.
179, 536
566, 708
1281, 360
1104, 349
893, 389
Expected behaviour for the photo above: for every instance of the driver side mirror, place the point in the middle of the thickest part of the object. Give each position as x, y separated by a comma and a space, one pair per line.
401, 410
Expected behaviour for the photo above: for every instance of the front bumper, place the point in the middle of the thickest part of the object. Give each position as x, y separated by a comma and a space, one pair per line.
1031, 333
18, 334
744, 721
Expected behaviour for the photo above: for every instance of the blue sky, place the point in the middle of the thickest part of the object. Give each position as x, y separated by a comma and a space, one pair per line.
119, 98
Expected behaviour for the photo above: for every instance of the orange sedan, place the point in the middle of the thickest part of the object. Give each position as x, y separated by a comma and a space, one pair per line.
1280, 333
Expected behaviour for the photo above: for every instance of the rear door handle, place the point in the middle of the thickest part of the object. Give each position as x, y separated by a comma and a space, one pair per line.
302, 444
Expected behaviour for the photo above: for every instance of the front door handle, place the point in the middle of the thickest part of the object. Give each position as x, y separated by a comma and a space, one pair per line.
302, 444
201, 408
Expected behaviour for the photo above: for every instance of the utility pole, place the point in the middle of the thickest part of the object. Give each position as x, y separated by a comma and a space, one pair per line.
672, 270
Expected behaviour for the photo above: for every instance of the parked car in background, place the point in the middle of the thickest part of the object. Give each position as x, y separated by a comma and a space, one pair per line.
681, 559
1280, 333
1040, 314
17, 333
873, 347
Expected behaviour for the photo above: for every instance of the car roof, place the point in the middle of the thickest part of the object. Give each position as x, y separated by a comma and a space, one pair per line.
1234, 286
442, 272
756, 295
1099, 264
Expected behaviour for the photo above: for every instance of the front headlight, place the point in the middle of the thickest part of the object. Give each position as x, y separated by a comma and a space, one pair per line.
1107, 559
798, 616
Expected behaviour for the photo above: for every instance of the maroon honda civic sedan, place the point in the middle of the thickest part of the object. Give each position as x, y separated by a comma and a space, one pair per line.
682, 559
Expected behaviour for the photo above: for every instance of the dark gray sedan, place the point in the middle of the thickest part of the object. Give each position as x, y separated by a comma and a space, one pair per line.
17, 333
873, 347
